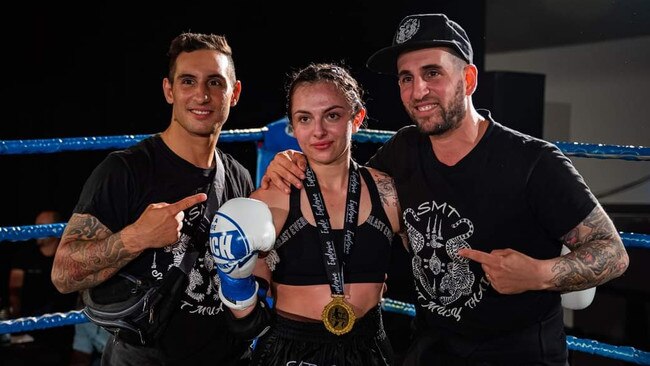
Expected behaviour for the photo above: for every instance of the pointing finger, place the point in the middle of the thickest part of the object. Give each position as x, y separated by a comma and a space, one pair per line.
478, 256
188, 202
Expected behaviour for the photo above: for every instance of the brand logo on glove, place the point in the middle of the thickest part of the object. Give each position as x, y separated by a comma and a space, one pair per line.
230, 243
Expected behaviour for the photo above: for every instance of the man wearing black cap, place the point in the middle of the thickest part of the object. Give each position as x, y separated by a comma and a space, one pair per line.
487, 210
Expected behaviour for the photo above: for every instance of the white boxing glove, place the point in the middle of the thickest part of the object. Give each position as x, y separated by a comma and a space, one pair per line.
240, 229
577, 300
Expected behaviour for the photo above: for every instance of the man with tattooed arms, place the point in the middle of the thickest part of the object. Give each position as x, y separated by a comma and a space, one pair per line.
487, 210
146, 207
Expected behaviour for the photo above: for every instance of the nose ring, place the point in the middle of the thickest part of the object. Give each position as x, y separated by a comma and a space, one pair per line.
205, 97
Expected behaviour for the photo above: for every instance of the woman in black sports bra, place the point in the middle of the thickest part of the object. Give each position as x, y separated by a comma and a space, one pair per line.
329, 262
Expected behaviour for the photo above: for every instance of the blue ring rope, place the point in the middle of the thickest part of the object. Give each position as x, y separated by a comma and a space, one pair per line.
48, 146
624, 353
40, 146
27, 232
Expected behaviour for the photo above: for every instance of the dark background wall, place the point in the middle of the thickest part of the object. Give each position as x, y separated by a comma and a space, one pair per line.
98, 71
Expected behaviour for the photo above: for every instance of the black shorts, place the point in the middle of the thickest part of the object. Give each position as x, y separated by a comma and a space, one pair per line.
291, 342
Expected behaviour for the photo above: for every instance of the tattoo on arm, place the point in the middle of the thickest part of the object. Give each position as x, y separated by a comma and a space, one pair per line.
597, 256
386, 188
90, 254
389, 199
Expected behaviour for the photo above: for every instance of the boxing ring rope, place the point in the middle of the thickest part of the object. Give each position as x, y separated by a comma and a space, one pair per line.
45, 146
271, 139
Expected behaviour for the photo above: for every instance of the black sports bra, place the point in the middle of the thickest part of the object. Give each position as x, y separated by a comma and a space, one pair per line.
299, 259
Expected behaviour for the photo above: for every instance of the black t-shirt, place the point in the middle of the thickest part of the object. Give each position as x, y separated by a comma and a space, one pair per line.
511, 191
121, 188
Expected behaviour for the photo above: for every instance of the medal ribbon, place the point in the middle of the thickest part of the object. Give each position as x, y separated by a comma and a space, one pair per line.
332, 267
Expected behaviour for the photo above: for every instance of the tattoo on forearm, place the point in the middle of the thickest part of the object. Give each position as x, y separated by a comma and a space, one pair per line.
597, 256
93, 253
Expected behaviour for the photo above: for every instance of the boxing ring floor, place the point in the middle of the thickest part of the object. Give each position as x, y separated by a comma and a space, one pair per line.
269, 140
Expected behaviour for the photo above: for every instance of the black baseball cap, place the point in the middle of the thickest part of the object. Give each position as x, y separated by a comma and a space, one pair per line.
421, 31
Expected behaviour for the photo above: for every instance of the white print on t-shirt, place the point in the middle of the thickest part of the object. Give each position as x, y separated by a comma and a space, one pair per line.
201, 291
178, 250
154, 272
201, 309
197, 289
193, 213
201, 294
301, 363
436, 233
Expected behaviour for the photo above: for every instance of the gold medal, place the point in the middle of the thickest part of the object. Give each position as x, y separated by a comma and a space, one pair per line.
338, 316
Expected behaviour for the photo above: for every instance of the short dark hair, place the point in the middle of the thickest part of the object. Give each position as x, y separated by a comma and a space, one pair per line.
188, 42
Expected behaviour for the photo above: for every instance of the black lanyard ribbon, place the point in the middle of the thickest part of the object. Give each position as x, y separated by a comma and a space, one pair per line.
332, 267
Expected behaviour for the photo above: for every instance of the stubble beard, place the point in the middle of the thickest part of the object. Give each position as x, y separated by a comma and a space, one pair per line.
449, 116
195, 128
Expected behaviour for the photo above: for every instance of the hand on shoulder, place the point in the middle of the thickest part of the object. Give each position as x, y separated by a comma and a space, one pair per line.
287, 168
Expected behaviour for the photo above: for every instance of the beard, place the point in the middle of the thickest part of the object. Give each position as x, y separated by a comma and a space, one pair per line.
450, 115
